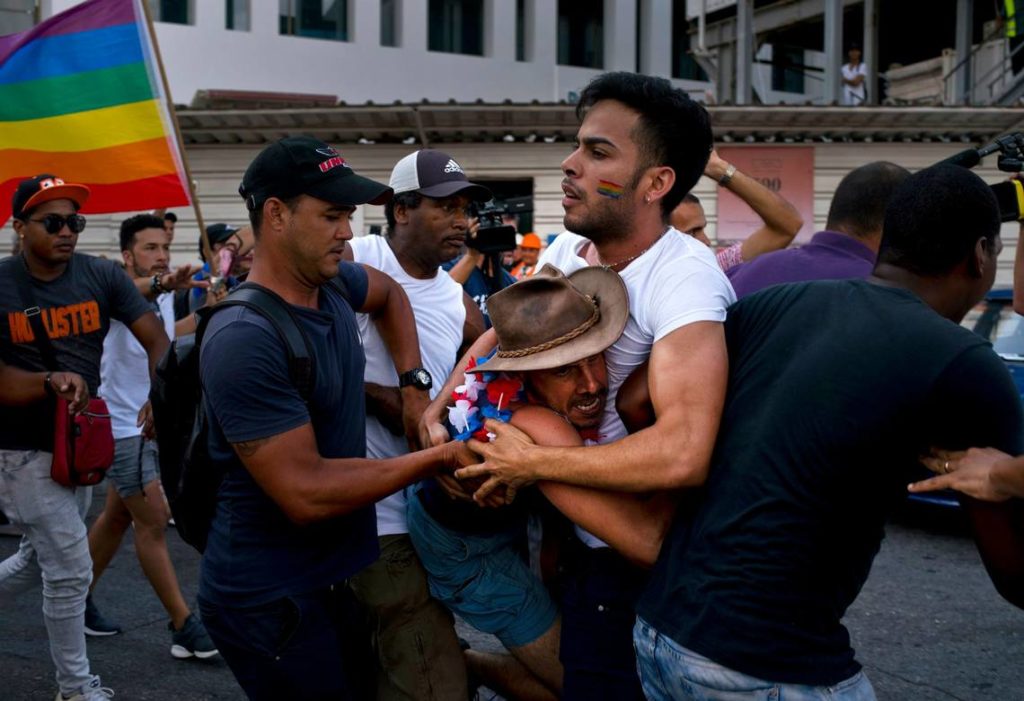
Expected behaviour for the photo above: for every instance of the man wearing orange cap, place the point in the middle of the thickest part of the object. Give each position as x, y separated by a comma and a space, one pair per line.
529, 253
75, 296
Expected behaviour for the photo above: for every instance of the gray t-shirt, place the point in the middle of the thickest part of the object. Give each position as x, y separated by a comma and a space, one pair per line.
76, 311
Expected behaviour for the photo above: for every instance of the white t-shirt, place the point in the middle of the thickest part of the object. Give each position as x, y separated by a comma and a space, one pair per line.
676, 282
124, 371
440, 318
854, 94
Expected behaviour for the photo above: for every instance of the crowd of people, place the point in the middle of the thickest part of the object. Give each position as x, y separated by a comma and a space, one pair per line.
651, 469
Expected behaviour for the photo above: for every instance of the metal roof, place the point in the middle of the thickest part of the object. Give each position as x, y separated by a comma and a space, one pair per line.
433, 123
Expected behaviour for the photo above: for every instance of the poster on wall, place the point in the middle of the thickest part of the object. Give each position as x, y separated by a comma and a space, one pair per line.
788, 171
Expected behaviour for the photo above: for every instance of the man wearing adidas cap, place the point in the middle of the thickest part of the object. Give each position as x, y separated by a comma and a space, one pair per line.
294, 518
418, 653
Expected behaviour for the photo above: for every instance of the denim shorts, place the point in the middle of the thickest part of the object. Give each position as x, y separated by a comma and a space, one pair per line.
135, 465
483, 578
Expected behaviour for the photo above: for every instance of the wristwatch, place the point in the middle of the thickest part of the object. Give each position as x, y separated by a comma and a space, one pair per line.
727, 175
417, 377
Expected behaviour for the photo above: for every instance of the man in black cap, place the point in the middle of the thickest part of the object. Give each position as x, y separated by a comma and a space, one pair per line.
75, 296
205, 288
295, 518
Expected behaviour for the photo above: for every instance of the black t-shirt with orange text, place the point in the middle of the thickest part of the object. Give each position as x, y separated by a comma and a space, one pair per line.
76, 310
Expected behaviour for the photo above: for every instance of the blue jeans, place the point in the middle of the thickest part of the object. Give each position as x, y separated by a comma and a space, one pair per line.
304, 647
670, 672
53, 549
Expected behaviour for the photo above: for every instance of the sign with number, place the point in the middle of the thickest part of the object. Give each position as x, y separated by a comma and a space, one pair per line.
789, 171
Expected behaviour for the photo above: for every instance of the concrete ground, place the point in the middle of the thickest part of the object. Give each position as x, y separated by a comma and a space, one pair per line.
928, 627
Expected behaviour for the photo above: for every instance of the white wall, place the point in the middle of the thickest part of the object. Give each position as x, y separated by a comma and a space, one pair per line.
207, 56
218, 171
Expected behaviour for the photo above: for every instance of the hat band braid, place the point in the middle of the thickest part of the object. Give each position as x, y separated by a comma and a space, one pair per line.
548, 345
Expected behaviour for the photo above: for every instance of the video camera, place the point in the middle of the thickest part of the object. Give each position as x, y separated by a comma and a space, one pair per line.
493, 234
1010, 195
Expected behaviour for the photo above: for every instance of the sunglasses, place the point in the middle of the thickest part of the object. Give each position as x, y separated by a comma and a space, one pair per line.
53, 223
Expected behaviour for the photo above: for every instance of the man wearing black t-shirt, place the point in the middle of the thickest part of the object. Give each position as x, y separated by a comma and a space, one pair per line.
295, 516
75, 296
835, 389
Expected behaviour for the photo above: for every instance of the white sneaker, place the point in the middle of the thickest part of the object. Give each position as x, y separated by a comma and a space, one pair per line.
90, 692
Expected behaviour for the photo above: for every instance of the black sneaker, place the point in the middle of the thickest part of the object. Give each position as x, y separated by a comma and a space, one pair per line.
192, 640
95, 624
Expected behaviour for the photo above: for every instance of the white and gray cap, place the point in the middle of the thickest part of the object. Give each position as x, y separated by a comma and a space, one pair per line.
435, 174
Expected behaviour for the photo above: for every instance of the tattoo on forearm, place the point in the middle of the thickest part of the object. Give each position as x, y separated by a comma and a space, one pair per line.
247, 449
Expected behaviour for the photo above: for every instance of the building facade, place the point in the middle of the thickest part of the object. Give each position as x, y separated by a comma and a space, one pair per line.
493, 82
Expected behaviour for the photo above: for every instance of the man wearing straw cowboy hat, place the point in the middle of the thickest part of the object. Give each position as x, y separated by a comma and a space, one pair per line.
548, 378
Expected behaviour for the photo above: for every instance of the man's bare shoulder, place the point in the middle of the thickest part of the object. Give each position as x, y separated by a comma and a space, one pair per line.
544, 426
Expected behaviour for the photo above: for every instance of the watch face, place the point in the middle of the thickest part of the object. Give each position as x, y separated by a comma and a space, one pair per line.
422, 378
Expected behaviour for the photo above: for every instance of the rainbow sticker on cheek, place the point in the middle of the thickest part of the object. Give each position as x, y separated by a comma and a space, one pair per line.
610, 189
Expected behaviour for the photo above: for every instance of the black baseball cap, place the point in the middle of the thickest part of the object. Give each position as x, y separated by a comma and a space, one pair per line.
218, 233
435, 174
301, 165
32, 192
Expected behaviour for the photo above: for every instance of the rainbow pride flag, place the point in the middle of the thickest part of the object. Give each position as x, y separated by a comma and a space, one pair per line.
80, 97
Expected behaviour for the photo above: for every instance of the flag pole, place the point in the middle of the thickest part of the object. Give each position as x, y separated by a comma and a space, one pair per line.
204, 239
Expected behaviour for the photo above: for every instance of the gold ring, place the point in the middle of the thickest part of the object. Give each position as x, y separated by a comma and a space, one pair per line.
945, 467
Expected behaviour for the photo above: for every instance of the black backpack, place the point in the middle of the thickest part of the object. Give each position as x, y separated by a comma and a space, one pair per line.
190, 478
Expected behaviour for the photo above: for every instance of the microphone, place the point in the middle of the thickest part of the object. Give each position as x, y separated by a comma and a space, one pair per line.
967, 159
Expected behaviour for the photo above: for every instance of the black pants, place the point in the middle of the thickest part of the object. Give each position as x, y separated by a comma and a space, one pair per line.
600, 591
309, 646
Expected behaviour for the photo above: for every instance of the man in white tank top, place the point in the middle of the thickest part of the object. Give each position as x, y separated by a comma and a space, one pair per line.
416, 645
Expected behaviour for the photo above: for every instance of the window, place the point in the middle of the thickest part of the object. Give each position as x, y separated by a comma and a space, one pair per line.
684, 66
787, 68
16, 16
389, 23
456, 26
581, 33
171, 11
237, 15
316, 19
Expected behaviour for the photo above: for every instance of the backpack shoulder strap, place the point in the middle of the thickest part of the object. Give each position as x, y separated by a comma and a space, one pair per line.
32, 312
301, 363
336, 284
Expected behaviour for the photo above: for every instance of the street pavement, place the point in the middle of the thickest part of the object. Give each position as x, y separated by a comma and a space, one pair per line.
928, 626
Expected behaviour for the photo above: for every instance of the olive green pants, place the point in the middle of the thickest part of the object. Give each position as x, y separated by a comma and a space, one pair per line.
413, 635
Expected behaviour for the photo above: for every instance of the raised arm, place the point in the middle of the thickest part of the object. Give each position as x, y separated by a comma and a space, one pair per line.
689, 371
473, 327
178, 279
781, 220
431, 430
462, 269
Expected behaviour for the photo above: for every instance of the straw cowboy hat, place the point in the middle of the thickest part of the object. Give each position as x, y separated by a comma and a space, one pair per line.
550, 320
